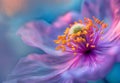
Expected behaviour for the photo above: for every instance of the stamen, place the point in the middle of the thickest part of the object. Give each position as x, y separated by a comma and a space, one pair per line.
87, 45
57, 41
63, 48
66, 31
104, 25
80, 21
73, 48
84, 32
75, 22
69, 45
64, 42
78, 39
93, 46
92, 35
78, 33
81, 35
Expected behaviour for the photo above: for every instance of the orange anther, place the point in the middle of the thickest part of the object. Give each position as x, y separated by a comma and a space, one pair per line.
64, 42
84, 32
57, 41
66, 31
92, 35
87, 44
69, 45
63, 37
58, 48
78, 39
59, 37
75, 41
78, 33
104, 25
101, 22
93, 46
68, 40
83, 39
73, 36
75, 22
73, 48
63, 48
80, 21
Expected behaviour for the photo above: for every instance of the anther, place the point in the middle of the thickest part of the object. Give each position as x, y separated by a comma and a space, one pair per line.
87, 44
93, 46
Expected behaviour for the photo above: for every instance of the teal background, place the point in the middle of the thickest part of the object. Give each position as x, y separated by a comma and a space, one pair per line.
11, 46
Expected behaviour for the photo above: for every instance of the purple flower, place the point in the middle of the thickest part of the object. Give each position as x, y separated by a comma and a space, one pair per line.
85, 50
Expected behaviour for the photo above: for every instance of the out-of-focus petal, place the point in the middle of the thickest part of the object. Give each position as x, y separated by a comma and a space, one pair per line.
98, 8
41, 34
61, 69
65, 20
113, 36
115, 5
41, 69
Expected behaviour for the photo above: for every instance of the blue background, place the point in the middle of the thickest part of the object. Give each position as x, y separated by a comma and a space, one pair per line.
11, 46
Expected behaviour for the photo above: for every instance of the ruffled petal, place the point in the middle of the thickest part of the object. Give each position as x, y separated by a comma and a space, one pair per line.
113, 37
94, 67
115, 5
41, 34
41, 69
98, 8
113, 34
64, 69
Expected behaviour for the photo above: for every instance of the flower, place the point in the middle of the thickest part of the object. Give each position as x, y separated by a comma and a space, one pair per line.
88, 50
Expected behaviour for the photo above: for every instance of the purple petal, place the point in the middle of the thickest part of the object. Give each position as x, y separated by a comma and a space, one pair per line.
113, 34
41, 34
93, 68
115, 5
98, 8
113, 37
40, 68
63, 69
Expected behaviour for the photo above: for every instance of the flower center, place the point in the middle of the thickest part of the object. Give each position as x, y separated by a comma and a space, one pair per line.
81, 37
88, 52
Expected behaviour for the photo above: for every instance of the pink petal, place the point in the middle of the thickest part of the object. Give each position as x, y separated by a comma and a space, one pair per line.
63, 69
115, 5
93, 69
41, 34
98, 8
40, 68
113, 37
113, 34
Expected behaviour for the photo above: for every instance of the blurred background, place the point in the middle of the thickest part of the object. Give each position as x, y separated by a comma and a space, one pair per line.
15, 13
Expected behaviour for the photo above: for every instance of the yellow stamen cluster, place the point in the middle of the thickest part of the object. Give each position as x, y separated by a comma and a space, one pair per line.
72, 40
67, 39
